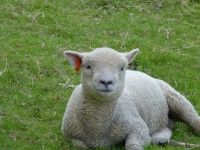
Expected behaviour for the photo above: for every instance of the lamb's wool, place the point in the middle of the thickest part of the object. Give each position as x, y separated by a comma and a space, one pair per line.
135, 108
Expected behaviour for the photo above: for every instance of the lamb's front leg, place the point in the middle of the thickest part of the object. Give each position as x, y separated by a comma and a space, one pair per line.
132, 143
78, 143
138, 138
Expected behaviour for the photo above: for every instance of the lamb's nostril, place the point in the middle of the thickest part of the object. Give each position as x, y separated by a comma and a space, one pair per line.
102, 82
106, 83
109, 82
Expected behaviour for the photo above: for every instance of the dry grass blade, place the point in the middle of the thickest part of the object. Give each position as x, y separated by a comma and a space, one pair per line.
1, 72
188, 145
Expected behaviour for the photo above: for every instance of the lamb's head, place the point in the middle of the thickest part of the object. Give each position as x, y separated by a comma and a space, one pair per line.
103, 71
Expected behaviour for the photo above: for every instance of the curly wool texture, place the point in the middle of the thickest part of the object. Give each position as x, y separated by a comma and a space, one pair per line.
112, 104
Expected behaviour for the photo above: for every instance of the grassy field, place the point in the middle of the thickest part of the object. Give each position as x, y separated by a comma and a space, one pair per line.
33, 72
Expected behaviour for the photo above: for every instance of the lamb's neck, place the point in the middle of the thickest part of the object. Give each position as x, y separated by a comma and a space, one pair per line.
98, 114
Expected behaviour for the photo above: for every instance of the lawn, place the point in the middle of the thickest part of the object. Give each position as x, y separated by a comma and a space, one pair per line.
36, 82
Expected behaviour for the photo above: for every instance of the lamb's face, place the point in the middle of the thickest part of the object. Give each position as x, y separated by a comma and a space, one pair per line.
104, 73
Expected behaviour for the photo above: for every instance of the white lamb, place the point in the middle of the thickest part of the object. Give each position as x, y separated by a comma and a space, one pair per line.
113, 104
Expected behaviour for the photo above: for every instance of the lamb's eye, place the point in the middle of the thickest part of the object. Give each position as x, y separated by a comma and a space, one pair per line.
88, 67
122, 69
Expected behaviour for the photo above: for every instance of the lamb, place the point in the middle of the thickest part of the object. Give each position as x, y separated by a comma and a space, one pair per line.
113, 104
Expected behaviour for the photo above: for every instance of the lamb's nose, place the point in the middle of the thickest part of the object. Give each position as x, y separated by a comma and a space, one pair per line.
106, 83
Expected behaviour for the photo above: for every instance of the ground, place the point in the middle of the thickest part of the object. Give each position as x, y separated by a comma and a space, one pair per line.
36, 82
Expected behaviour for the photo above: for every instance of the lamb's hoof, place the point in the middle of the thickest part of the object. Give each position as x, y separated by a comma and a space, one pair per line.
162, 141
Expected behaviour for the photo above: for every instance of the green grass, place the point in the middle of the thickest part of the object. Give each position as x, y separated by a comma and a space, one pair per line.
34, 35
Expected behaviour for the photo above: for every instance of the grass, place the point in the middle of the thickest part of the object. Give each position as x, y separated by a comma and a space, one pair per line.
34, 35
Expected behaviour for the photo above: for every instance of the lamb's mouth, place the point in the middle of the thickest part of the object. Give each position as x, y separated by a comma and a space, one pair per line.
105, 92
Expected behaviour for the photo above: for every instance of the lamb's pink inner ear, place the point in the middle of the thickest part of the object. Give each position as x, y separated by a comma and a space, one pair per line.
74, 59
78, 65
77, 62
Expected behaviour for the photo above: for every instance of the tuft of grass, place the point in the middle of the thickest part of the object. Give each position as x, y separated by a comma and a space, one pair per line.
36, 82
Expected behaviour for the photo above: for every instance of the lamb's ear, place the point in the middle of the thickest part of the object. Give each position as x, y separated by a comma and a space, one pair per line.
74, 58
131, 55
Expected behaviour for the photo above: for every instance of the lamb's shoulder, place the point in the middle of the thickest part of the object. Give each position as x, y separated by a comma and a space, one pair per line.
128, 121
148, 98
